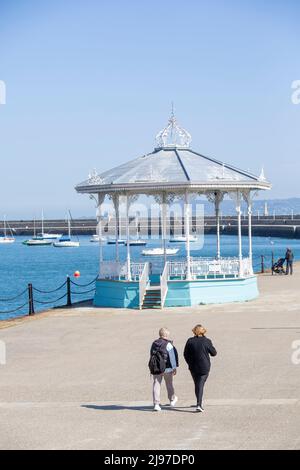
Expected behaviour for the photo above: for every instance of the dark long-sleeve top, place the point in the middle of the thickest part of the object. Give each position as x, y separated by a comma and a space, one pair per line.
197, 354
289, 255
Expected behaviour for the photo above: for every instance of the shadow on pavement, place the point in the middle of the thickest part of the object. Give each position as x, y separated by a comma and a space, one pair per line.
117, 407
182, 409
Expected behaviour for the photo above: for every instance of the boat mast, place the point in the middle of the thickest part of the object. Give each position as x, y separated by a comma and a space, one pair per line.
42, 222
69, 225
4, 223
34, 235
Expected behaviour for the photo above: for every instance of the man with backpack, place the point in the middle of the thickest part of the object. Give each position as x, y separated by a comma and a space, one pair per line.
162, 364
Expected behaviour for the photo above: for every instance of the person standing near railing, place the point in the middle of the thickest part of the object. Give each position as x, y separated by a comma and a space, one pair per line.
197, 354
289, 257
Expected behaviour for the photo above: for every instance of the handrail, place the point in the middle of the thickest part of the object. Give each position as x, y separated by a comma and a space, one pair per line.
143, 284
164, 284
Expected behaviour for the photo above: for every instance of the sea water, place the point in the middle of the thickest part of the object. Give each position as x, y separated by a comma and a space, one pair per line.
46, 267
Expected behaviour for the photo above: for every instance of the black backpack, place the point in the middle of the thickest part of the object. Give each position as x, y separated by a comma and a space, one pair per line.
157, 363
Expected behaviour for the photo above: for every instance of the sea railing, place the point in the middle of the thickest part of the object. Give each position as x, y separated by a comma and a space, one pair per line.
31, 298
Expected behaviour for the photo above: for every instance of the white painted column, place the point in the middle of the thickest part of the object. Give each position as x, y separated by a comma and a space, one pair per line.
117, 222
187, 236
217, 210
238, 209
128, 239
250, 228
100, 201
164, 228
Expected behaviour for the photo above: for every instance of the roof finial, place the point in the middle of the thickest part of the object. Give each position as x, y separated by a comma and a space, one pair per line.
172, 110
173, 135
262, 175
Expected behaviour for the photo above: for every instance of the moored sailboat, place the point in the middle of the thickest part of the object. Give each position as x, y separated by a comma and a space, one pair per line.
5, 238
66, 241
36, 240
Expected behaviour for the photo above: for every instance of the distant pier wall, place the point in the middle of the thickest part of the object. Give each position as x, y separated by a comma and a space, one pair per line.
281, 226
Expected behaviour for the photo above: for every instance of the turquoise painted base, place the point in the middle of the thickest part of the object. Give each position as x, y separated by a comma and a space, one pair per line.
119, 294
123, 294
211, 291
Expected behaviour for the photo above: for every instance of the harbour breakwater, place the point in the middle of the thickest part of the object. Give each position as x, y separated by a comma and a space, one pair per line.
267, 226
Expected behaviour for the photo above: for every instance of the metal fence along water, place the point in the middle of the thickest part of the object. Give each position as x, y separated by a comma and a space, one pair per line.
33, 299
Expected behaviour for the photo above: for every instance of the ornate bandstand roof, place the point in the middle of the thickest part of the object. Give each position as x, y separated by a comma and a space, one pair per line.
172, 166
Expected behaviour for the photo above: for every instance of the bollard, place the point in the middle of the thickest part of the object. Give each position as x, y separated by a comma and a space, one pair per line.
262, 264
69, 300
30, 300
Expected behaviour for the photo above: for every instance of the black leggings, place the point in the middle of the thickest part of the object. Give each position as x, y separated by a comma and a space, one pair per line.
199, 381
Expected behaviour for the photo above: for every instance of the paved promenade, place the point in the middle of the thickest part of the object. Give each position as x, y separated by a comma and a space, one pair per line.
78, 379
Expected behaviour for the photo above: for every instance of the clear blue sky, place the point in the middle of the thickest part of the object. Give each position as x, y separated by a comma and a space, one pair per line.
89, 84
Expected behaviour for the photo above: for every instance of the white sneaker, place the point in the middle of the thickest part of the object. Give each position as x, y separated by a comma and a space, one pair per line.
157, 408
174, 401
199, 409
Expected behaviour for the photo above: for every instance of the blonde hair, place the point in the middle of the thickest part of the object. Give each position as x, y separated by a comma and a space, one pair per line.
164, 333
199, 330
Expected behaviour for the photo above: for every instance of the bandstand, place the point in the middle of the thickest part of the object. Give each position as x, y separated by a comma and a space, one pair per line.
173, 170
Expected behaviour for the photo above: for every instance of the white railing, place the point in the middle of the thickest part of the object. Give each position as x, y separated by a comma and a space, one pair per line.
143, 283
200, 267
112, 270
118, 270
164, 284
204, 267
136, 270
246, 268
177, 268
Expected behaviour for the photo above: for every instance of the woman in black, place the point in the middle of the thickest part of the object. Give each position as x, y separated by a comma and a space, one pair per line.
196, 353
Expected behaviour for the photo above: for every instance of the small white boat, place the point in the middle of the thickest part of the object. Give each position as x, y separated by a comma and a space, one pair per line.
49, 236
112, 241
44, 235
66, 241
96, 239
138, 242
160, 252
37, 242
5, 238
42, 238
193, 238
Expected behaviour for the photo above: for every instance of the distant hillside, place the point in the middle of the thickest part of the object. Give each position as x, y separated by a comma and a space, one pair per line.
277, 206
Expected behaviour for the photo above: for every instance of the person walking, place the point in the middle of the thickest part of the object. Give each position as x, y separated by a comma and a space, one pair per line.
289, 257
163, 364
197, 352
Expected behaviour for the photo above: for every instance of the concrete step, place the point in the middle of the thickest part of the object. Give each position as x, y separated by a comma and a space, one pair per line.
149, 307
152, 299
